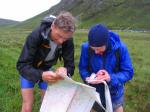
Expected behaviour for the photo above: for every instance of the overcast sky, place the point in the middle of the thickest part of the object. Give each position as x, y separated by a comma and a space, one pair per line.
21, 10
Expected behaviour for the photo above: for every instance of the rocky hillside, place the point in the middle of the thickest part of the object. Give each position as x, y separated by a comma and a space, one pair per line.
117, 14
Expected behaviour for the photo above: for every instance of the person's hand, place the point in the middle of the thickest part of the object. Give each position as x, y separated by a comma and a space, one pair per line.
61, 70
103, 75
50, 77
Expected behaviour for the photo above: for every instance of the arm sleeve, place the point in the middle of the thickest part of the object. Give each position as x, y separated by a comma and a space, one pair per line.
125, 72
25, 61
83, 64
68, 56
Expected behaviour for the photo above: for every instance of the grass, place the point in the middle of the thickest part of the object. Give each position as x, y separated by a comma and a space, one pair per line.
137, 92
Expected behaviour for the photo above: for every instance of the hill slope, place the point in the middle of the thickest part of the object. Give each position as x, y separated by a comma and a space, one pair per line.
117, 14
131, 14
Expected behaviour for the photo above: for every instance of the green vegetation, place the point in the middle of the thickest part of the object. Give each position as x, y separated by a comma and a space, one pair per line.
136, 91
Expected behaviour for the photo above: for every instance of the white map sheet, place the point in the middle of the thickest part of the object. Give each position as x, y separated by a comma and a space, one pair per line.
69, 96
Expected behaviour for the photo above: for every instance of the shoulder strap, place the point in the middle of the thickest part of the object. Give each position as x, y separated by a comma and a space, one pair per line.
89, 56
117, 55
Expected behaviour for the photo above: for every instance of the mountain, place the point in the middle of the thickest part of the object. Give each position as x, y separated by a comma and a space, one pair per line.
7, 22
117, 14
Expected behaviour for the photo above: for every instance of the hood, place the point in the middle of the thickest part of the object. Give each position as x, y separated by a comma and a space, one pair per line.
45, 27
46, 24
114, 40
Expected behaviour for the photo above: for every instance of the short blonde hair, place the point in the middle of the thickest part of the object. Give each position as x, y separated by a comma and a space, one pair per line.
65, 21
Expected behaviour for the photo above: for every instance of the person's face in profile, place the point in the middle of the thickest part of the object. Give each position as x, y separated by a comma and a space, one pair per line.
59, 36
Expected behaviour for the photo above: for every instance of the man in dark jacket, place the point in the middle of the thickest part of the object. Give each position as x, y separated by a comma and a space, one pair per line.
99, 56
52, 40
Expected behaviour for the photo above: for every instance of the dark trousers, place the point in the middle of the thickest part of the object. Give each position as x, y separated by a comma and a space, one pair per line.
100, 89
97, 108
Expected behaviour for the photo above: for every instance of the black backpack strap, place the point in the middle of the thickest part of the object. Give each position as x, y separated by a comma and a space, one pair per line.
89, 57
117, 55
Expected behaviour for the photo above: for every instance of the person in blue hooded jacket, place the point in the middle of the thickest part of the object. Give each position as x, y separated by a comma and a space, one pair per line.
98, 56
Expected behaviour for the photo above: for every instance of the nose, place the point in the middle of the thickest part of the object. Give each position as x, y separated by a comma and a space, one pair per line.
96, 51
99, 52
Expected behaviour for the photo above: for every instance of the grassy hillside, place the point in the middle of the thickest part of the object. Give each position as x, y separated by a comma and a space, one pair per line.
117, 14
136, 91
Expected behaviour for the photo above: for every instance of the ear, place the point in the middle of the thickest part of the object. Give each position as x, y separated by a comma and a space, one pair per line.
53, 26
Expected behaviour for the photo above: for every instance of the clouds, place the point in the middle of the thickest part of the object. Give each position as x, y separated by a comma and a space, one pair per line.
21, 10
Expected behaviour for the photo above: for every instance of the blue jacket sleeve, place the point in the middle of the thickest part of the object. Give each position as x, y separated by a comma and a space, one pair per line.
83, 64
125, 72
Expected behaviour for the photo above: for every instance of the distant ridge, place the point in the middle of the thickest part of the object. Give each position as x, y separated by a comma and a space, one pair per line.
7, 22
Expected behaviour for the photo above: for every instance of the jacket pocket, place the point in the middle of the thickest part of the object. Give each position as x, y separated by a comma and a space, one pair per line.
41, 55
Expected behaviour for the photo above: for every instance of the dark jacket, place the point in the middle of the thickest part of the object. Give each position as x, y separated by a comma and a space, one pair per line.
119, 78
31, 62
